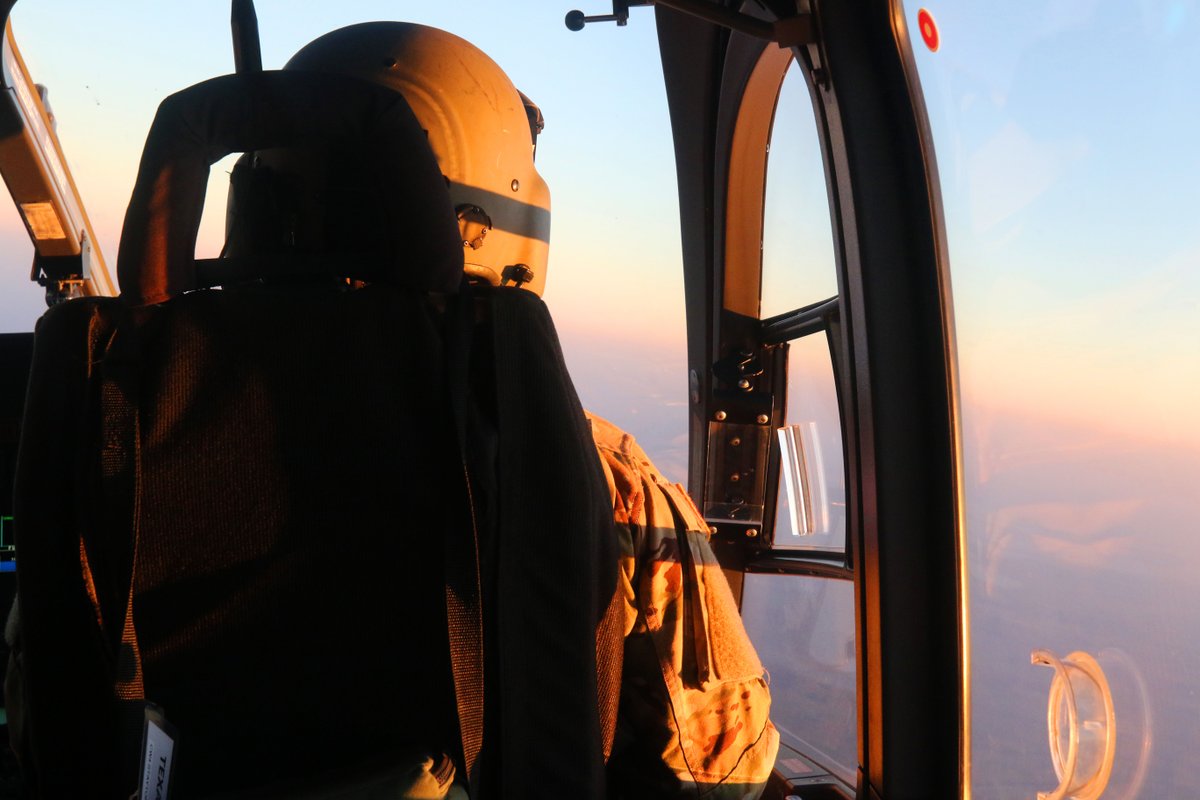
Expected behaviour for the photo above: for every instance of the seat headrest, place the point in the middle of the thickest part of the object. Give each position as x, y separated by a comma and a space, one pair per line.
418, 248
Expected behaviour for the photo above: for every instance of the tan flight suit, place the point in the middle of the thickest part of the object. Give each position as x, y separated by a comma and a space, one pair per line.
692, 688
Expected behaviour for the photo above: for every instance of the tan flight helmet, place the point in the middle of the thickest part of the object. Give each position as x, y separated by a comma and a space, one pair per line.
479, 126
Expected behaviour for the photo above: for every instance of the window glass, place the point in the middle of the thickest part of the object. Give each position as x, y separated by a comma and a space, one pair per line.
798, 265
804, 626
804, 631
812, 478
1066, 144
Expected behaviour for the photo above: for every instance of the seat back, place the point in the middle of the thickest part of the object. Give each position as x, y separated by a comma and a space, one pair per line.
257, 494
285, 454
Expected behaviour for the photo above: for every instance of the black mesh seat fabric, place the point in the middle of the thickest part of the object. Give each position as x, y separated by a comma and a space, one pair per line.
293, 515
298, 472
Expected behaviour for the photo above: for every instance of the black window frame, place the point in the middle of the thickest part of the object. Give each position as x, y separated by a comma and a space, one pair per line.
898, 387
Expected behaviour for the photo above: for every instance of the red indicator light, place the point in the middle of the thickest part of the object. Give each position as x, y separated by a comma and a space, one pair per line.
929, 30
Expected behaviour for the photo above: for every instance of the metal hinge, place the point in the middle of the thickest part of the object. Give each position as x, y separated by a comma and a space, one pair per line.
790, 32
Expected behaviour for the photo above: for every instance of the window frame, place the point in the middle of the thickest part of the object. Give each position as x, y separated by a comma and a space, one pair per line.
822, 318
899, 393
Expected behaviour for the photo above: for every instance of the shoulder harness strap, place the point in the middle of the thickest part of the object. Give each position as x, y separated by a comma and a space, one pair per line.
463, 607
121, 497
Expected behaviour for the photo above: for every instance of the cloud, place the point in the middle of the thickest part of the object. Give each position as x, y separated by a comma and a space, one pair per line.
1085, 535
1011, 170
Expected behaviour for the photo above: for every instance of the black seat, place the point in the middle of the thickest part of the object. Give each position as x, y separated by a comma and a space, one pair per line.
272, 472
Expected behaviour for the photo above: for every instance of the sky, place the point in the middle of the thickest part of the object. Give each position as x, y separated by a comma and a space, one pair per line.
1069, 180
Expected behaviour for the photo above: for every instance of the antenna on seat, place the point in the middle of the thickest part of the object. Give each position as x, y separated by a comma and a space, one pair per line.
247, 49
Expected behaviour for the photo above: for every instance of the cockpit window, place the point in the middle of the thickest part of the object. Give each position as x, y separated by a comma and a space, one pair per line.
811, 510
803, 628
797, 255
1066, 145
800, 291
804, 625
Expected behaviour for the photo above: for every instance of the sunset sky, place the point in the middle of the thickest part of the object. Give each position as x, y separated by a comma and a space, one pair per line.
1069, 178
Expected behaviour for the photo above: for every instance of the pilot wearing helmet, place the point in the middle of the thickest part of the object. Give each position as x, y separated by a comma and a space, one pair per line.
694, 704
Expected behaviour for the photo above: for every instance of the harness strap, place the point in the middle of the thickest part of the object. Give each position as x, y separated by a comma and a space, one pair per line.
556, 566
121, 496
464, 614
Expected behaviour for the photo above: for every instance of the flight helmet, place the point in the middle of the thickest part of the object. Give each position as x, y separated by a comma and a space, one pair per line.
481, 129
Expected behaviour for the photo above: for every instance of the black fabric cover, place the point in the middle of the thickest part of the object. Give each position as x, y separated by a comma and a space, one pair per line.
65, 659
299, 472
553, 567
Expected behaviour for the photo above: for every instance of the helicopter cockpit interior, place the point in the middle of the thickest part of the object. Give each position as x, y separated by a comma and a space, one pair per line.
903, 296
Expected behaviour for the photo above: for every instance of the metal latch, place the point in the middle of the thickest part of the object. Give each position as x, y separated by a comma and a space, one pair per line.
737, 470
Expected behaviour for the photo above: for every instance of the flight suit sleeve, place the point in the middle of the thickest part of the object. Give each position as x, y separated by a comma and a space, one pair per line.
694, 709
